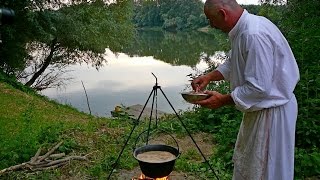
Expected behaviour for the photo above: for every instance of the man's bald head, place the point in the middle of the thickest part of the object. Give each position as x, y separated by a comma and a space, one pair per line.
222, 14
221, 3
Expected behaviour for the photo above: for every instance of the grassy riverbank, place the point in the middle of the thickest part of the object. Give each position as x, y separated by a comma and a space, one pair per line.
29, 121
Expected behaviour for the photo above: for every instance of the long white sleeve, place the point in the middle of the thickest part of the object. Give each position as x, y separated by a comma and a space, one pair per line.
258, 73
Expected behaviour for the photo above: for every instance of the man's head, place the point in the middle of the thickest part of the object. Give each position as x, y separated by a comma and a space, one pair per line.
222, 14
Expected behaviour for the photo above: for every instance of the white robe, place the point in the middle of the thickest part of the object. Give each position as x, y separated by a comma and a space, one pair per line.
263, 73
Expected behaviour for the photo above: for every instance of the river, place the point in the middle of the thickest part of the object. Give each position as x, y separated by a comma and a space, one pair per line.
126, 78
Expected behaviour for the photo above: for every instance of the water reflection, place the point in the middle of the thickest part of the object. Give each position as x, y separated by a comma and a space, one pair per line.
181, 48
126, 77
124, 80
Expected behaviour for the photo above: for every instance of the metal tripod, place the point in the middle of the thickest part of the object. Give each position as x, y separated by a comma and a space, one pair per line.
155, 94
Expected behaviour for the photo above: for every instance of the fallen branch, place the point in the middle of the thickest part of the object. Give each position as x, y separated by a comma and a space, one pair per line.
47, 161
35, 157
50, 152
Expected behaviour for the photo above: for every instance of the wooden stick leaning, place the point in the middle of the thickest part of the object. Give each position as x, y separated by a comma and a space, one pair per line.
47, 161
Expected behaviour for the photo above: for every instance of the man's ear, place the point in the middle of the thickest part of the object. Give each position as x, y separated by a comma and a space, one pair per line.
223, 14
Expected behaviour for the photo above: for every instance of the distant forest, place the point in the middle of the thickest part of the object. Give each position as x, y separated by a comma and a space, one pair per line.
175, 14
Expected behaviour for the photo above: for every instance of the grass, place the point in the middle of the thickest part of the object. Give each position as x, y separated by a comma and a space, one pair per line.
29, 121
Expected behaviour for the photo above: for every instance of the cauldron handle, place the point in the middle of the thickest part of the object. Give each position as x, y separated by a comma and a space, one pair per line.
135, 144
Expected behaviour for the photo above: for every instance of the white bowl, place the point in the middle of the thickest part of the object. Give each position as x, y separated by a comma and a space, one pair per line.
192, 97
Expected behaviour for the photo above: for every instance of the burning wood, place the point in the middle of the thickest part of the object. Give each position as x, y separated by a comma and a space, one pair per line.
144, 177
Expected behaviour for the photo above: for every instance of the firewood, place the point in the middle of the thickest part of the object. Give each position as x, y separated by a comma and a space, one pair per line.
13, 168
50, 167
63, 160
50, 152
35, 157
47, 161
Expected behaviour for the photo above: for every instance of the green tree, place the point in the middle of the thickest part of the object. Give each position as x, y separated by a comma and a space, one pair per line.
73, 33
170, 14
301, 27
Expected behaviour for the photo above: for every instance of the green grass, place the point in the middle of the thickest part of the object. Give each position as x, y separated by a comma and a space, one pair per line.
29, 121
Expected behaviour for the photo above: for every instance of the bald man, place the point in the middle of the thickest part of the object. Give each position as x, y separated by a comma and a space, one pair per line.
263, 73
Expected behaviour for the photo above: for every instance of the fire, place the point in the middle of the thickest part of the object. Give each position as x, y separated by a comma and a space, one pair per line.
144, 177
163, 178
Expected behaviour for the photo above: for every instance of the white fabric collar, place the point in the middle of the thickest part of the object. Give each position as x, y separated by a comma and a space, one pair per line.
234, 31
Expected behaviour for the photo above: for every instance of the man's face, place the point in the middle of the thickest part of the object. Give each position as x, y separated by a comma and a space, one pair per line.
214, 18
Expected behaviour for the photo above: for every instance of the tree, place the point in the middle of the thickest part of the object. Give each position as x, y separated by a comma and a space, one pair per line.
273, 2
73, 31
301, 26
170, 14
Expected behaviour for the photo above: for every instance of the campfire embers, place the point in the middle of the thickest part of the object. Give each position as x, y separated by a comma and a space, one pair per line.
144, 177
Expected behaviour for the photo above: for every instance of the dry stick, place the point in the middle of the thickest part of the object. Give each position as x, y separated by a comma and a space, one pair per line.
51, 167
86, 97
57, 156
52, 156
47, 160
12, 168
52, 163
50, 152
35, 157
42, 162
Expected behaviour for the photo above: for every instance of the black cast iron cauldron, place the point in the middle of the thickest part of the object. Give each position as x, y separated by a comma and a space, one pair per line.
156, 170
152, 169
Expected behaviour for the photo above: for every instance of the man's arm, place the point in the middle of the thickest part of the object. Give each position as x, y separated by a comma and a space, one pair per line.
215, 75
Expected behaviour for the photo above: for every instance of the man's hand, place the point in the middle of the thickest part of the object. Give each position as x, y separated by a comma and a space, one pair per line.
200, 83
216, 100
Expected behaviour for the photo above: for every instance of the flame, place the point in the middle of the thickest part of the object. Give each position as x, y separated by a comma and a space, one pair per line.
144, 177
163, 178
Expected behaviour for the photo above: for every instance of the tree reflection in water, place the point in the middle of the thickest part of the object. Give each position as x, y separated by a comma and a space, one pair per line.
126, 77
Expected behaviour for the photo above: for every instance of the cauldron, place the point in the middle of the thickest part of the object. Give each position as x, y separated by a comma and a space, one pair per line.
156, 170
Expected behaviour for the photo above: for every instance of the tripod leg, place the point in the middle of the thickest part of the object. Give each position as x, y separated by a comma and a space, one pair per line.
126, 143
150, 118
190, 135
156, 93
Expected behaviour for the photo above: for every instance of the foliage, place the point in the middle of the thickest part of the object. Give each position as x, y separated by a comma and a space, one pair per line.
192, 45
301, 26
9, 79
95, 26
273, 2
308, 163
253, 9
304, 40
14, 37
273, 12
174, 15
170, 14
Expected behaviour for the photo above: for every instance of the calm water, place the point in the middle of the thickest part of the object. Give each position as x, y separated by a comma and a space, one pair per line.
126, 79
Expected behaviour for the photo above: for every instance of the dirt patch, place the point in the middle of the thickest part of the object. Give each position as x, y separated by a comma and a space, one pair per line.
203, 140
